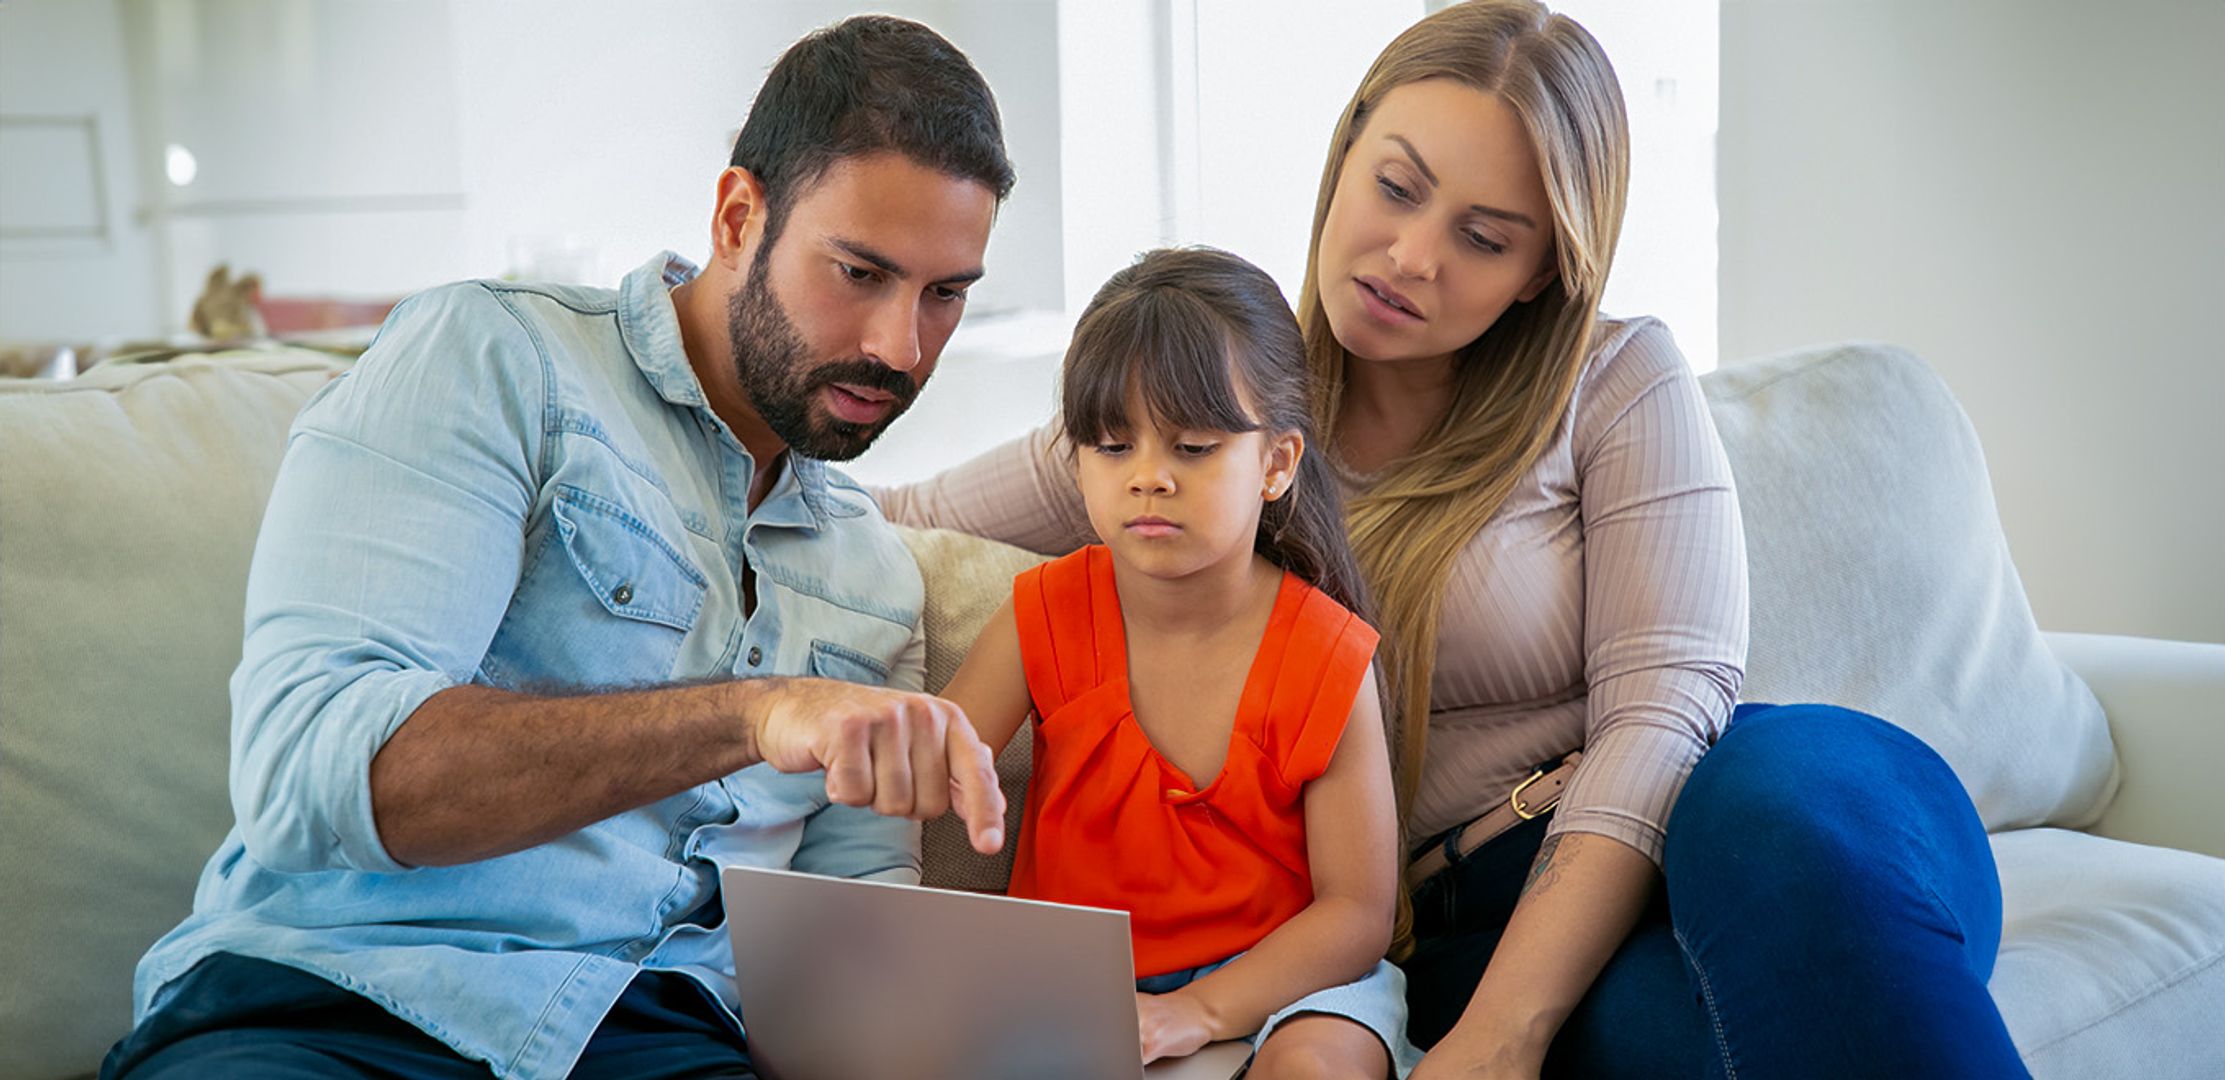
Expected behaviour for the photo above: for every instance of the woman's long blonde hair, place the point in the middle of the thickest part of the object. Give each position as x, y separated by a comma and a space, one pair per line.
1511, 385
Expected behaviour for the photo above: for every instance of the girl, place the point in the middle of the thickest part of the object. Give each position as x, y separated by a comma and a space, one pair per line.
1209, 748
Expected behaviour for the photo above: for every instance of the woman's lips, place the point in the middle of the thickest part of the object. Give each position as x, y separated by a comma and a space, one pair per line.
1385, 303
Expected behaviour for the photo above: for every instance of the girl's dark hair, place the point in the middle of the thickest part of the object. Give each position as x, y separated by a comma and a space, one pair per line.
1198, 331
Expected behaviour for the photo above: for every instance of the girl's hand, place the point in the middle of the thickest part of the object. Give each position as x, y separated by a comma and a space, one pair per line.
1171, 1025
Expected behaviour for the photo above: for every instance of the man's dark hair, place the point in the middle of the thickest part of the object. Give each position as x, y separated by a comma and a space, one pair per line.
868, 84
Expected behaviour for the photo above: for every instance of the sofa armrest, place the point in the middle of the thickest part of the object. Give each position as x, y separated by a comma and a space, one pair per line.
2166, 706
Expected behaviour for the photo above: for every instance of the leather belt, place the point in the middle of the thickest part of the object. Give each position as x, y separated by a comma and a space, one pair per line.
1529, 799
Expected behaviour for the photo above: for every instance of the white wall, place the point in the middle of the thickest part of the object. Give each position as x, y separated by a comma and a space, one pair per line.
2028, 194
64, 60
325, 134
603, 129
1665, 55
1111, 71
365, 150
1205, 122
1271, 78
598, 129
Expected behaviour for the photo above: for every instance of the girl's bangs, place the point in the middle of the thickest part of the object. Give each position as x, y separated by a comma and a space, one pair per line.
1163, 345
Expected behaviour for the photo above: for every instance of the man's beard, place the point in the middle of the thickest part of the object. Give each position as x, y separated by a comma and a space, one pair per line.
769, 359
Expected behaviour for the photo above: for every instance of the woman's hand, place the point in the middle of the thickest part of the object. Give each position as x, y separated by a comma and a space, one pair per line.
1468, 1053
1171, 1025
1583, 895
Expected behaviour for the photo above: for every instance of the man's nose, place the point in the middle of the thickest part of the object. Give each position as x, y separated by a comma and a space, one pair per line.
892, 335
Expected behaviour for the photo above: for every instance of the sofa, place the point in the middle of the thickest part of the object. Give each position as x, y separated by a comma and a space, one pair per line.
130, 499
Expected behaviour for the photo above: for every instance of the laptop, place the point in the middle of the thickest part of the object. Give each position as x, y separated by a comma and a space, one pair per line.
843, 979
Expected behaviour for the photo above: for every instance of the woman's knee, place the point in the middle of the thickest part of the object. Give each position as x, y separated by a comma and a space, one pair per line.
1830, 813
1812, 779
1824, 746
1318, 1045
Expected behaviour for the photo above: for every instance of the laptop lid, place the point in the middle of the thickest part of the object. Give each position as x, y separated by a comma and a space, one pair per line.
842, 979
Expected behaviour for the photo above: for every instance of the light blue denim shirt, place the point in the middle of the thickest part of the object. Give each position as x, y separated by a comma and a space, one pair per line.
521, 486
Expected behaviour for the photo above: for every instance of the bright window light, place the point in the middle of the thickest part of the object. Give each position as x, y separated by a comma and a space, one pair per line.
179, 165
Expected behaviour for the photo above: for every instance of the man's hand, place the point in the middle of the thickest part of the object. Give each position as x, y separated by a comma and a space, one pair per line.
903, 754
1171, 1025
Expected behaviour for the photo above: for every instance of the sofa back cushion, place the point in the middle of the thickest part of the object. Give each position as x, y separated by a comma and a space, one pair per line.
1881, 580
967, 580
128, 510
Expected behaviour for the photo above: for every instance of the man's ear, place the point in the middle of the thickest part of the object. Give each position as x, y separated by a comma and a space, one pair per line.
1284, 451
738, 220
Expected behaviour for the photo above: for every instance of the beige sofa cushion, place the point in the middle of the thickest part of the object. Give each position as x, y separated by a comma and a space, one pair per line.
129, 501
967, 580
1882, 582
2112, 956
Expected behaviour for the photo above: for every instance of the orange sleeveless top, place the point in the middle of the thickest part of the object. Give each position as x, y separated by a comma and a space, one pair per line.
1204, 872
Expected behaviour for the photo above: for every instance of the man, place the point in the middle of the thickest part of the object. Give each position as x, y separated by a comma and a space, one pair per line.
556, 609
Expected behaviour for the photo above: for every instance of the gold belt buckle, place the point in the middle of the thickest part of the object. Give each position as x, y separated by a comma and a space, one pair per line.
1514, 798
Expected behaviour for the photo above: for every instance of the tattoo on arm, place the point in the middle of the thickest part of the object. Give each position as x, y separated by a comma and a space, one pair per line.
1542, 872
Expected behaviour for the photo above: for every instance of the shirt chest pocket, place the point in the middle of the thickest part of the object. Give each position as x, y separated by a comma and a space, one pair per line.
606, 600
833, 660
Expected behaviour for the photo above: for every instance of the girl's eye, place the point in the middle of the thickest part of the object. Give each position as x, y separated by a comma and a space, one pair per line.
1112, 449
1485, 242
1197, 449
1393, 189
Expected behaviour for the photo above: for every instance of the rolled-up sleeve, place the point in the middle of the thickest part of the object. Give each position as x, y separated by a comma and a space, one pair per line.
1021, 493
1665, 618
388, 554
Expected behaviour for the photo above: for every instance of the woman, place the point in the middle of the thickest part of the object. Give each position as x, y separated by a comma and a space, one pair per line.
1546, 519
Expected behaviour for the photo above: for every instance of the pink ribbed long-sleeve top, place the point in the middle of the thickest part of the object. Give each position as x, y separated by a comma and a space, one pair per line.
1603, 607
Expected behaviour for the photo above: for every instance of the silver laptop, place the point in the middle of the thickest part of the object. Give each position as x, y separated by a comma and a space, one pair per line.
845, 979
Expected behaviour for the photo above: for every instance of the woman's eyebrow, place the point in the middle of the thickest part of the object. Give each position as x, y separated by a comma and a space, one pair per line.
1413, 155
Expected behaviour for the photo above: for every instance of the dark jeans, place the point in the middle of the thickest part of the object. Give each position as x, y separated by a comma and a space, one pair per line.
1829, 908
236, 1017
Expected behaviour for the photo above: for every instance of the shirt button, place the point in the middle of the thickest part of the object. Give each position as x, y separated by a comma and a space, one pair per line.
756, 656
622, 595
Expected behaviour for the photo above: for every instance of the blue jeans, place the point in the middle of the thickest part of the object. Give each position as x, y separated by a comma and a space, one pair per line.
1829, 908
238, 1017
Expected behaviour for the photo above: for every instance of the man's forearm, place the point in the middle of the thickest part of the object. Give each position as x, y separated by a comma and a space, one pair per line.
476, 772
